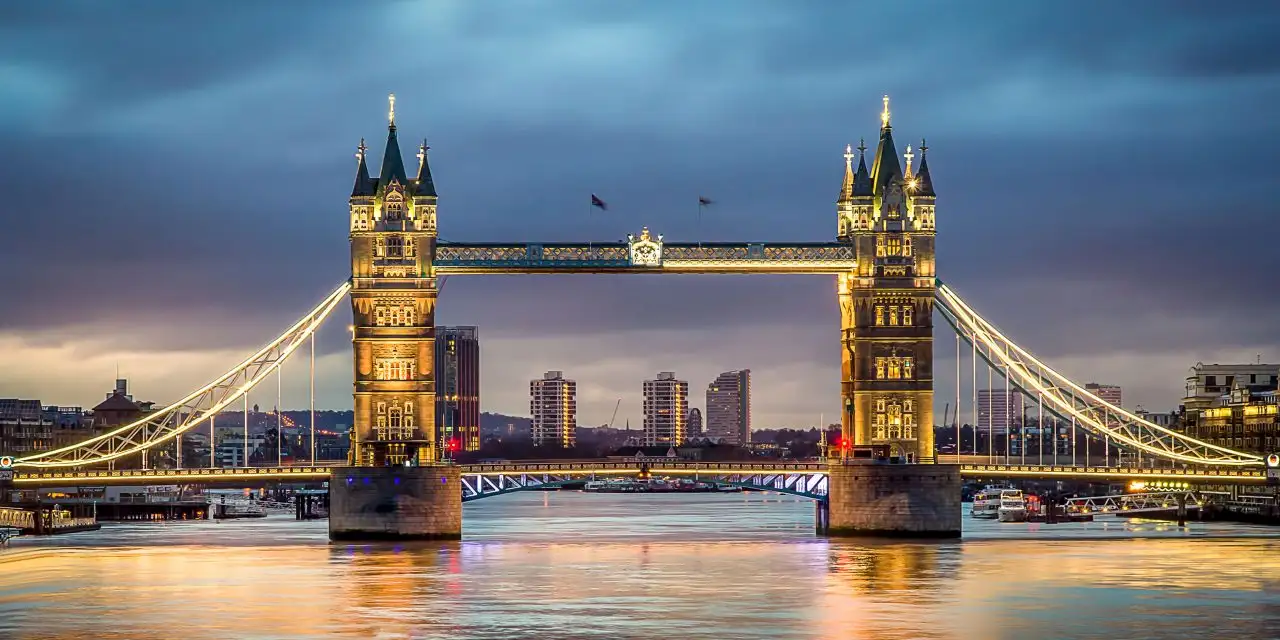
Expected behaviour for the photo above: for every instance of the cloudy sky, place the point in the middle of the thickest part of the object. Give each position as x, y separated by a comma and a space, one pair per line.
176, 178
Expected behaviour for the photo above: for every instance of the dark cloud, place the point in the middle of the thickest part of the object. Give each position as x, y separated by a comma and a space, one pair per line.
1103, 168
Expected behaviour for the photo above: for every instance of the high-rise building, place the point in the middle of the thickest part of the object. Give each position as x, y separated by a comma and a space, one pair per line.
999, 409
886, 215
729, 408
457, 388
1109, 393
553, 403
666, 410
392, 223
694, 430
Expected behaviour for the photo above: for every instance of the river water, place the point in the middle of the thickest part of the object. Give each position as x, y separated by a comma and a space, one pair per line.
575, 565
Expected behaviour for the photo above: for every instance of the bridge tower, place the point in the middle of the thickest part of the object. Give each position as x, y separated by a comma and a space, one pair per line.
394, 489
393, 299
886, 304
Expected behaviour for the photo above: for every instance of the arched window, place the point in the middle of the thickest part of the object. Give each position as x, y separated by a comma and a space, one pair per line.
908, 367
395, 247
907, 316
409, 319
879, 315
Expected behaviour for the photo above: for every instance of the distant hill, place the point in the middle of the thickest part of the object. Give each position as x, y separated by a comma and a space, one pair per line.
497, 424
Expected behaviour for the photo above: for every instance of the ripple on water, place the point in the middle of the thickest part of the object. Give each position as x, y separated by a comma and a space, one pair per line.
574, 565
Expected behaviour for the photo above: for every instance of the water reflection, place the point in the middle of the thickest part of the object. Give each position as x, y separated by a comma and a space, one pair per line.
577, 566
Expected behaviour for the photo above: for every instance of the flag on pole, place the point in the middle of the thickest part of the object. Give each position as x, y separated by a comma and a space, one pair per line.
704, 201
597, 202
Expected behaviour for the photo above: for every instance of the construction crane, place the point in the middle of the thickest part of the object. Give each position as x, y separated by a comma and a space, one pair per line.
615, 412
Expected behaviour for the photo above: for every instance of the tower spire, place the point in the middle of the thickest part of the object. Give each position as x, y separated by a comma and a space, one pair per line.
362, 186
846, 188
886, 168
923, 181
392, 163
862, 178
423, 185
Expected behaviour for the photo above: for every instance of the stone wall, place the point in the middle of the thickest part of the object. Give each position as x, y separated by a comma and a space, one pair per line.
894, 500
395, 503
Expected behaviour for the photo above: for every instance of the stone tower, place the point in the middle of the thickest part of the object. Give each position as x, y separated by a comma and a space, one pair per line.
886, 305
393, 299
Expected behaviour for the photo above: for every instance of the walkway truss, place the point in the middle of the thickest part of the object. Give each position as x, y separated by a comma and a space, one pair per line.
806, 480
164, 425
1059, 395
1070, 401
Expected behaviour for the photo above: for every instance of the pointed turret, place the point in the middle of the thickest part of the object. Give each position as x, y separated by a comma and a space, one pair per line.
846, 187
886, 167
364, 186
862, 179
392, 163
924, 182
423, 185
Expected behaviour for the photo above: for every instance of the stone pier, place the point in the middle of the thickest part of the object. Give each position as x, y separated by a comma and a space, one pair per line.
395, 503
876, 498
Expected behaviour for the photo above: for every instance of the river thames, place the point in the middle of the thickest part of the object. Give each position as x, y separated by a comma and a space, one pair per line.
575, 565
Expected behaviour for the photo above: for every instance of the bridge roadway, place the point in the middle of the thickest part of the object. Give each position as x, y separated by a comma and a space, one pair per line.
589, 468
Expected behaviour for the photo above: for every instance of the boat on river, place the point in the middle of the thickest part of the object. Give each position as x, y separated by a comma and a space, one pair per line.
986, 503
1013, 506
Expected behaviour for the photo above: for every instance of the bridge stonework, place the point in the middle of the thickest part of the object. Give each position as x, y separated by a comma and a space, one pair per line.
395, 503
893, 500
886, 302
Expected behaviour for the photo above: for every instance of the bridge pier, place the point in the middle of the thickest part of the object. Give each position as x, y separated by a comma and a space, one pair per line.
874, 498
395, 503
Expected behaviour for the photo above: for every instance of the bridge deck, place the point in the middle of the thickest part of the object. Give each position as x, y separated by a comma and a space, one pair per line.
620, 467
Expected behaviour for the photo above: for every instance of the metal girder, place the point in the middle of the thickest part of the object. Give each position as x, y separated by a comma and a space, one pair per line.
162, 425
1068, 400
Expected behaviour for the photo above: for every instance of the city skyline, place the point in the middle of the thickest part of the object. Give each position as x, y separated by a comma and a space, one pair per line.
144, 265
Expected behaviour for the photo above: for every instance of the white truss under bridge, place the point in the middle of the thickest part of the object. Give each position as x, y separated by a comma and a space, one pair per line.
163, 425
1136, 502
1071, 401
486, 484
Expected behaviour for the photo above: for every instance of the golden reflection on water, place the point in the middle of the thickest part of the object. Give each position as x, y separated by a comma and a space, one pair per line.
708, 568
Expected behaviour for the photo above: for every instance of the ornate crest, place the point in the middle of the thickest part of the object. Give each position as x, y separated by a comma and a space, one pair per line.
645, 251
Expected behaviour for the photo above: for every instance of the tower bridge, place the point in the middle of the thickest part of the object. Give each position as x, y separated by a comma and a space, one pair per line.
882, 258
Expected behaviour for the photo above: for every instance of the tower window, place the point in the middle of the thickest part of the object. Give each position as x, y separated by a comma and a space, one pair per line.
395, 247
879, 246
879, 315
906, 316
393, 369
893, 315
895, 246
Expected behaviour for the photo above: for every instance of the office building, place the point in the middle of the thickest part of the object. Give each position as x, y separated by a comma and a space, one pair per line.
1234, 406
553, 403
457, 389
999, 409
729, 408
666, 410
24, 427
1208, 384
1109, 393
